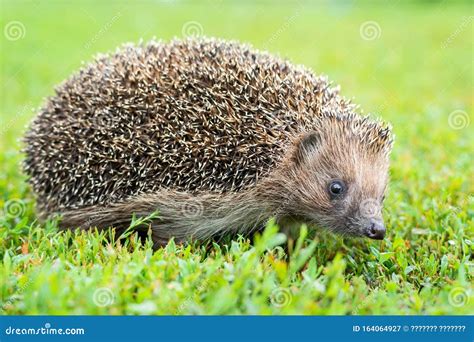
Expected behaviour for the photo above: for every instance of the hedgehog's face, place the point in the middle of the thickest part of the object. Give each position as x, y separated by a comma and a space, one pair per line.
339, 184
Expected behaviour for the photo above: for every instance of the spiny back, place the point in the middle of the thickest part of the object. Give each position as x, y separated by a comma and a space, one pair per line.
193, 115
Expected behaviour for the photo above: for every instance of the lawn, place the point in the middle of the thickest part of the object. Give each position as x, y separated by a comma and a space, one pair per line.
409, 64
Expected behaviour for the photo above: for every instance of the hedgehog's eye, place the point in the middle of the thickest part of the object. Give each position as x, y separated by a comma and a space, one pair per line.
336, 189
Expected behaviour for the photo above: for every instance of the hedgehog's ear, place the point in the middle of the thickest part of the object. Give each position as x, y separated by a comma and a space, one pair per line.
307, 144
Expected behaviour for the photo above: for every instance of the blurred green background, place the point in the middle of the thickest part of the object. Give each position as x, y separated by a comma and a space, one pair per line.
410, 63
414, 62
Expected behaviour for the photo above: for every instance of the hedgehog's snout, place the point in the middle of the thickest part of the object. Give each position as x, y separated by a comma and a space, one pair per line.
375, 229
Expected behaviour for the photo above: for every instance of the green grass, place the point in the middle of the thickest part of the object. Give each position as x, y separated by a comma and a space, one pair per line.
417, 74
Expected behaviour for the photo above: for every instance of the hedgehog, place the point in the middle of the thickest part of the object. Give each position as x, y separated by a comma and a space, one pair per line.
215, 137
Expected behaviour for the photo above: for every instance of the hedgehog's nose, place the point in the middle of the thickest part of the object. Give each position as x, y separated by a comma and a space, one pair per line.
376, 230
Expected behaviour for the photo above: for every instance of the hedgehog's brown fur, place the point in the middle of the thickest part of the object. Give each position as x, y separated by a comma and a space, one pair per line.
160, 125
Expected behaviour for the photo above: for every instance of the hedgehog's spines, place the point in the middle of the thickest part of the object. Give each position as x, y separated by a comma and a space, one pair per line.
201, 115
